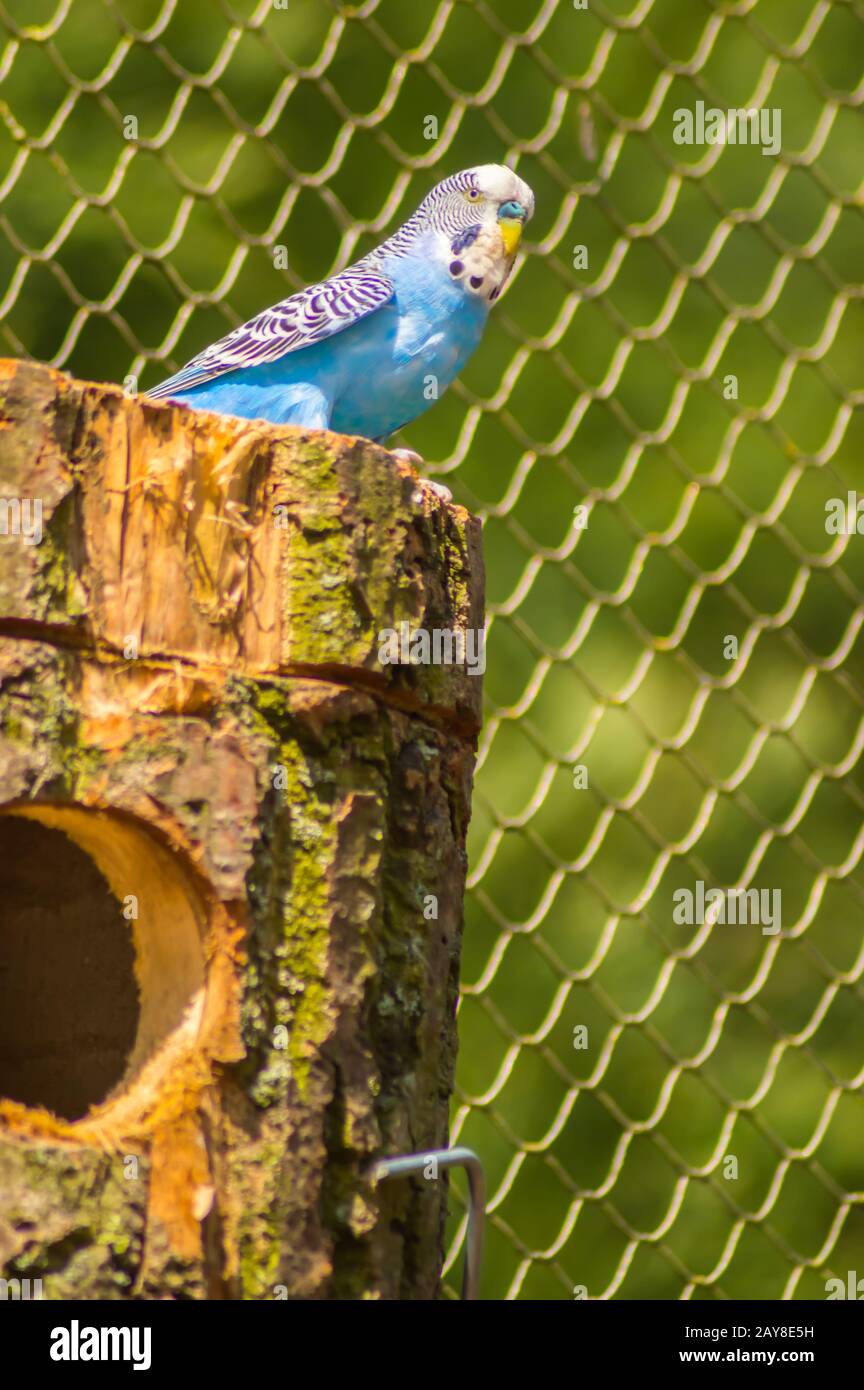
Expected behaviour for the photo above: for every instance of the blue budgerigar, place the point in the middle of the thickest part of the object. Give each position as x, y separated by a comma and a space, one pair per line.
370, 349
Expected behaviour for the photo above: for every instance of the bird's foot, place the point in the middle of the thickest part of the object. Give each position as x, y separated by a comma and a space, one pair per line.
441, 492
409, 456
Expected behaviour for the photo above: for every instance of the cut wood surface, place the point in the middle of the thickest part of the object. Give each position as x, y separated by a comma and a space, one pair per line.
202, 750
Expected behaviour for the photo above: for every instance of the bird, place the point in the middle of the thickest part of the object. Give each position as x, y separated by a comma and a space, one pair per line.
368, 350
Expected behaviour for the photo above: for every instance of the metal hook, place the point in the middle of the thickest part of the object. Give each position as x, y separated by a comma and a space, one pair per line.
409, 1164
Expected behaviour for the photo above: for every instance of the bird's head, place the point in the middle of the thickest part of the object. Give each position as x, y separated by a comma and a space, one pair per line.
472, 224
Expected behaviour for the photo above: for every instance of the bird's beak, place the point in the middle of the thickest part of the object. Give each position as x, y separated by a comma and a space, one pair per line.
511, 220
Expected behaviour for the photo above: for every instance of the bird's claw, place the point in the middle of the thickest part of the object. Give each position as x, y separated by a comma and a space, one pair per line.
441, 492
408, 456
438, 490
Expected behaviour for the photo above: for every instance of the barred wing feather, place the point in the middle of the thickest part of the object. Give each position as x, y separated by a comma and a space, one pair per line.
305, 318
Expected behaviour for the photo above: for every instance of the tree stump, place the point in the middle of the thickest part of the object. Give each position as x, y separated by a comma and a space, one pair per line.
232, 850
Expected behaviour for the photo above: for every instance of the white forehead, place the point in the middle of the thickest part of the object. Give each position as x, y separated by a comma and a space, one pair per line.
501, 184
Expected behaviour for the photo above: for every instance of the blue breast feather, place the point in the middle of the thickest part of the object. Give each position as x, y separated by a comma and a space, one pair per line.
371, 378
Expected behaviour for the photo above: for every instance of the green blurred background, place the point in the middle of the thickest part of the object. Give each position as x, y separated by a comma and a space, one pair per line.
602, 381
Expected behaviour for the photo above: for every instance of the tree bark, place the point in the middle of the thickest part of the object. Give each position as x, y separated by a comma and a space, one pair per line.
233, 847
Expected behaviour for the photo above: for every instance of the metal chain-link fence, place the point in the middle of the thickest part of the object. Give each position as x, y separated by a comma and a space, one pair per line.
667, 1101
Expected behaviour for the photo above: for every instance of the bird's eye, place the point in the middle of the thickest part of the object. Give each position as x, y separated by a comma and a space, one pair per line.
473, 194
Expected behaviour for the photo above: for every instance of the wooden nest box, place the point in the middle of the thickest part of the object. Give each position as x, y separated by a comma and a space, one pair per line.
232, 850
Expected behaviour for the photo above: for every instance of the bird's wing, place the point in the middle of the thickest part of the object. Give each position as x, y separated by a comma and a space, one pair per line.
307, 317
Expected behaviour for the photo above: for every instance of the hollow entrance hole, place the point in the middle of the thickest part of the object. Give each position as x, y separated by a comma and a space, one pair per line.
101, 966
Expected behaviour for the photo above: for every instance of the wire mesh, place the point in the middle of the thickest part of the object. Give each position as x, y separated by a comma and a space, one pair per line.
665, 403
